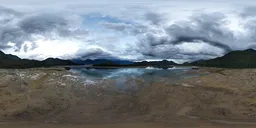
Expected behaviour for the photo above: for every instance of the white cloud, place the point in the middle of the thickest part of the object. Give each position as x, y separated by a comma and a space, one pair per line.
199, 48
137, 30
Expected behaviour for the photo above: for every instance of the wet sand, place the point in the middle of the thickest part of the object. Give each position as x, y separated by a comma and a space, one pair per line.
56, 98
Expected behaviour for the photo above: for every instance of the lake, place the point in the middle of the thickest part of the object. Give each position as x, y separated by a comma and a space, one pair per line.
123, 76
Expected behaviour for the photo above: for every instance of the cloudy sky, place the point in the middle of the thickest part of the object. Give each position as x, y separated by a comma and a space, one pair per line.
179, 30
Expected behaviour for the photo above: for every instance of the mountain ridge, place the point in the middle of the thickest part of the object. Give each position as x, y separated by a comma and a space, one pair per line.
234, 59
101, 61
12, 61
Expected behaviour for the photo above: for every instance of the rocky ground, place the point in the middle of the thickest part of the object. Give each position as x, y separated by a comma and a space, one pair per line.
54, 97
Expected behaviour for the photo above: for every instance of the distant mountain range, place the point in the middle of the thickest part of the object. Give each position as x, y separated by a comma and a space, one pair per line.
155, 63
101, 61
12, 61
160, 64
234, 59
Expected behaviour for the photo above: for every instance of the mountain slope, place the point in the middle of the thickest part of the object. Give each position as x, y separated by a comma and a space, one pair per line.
11, 61
101, 61
234, 59
155, 63
160, 64
57, 62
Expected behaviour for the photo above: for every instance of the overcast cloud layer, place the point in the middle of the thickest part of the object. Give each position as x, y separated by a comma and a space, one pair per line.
136, 30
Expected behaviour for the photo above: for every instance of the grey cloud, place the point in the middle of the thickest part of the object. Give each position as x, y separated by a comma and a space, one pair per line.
25, 47
7, 11
45, 24
42, 23
126, 28
8, 15
4, 46
93, 53
159, 41
183, 39
169, 51
164, 53
138, 28
251, 27
12, 34
251, 46
154, 18
18, 27
248, 12
118, 26
157, 37
177, 55
8, 31
204, 28
194, 57
154, 40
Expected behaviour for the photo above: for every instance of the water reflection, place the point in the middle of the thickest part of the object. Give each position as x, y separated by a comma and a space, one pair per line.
124, 76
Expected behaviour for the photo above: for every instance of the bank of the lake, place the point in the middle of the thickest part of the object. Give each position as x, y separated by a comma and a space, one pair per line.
57, 97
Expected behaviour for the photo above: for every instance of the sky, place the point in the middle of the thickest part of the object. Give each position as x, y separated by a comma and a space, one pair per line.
178, 30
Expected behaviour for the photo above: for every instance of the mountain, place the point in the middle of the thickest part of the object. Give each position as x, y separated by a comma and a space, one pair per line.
101, 61
155, 63
8, 56
234, 59
56, 62
163, 63
12, 61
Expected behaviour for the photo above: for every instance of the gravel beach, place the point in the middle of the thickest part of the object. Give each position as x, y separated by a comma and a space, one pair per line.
54, 97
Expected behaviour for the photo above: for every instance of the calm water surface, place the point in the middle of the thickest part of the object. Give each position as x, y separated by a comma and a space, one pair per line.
124, 76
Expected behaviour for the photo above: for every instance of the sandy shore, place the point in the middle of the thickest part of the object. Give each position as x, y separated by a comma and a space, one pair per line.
57, 98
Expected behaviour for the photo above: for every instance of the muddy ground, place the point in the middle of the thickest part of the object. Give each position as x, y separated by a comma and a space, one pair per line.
57, 98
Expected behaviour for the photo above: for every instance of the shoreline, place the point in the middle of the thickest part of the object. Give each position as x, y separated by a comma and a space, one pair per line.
223, 96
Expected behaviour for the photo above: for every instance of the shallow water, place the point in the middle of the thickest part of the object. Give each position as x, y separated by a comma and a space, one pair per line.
124, 76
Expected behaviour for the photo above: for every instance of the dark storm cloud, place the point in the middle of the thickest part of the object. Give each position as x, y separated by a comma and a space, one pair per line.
93, 53
160, 42
183, 39
43, 23
12, 34
167, 51
152, 39
8, 32
147, 33
4, 46
176, 55
204, 28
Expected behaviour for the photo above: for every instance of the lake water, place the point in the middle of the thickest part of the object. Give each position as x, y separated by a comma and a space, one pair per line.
123, 76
